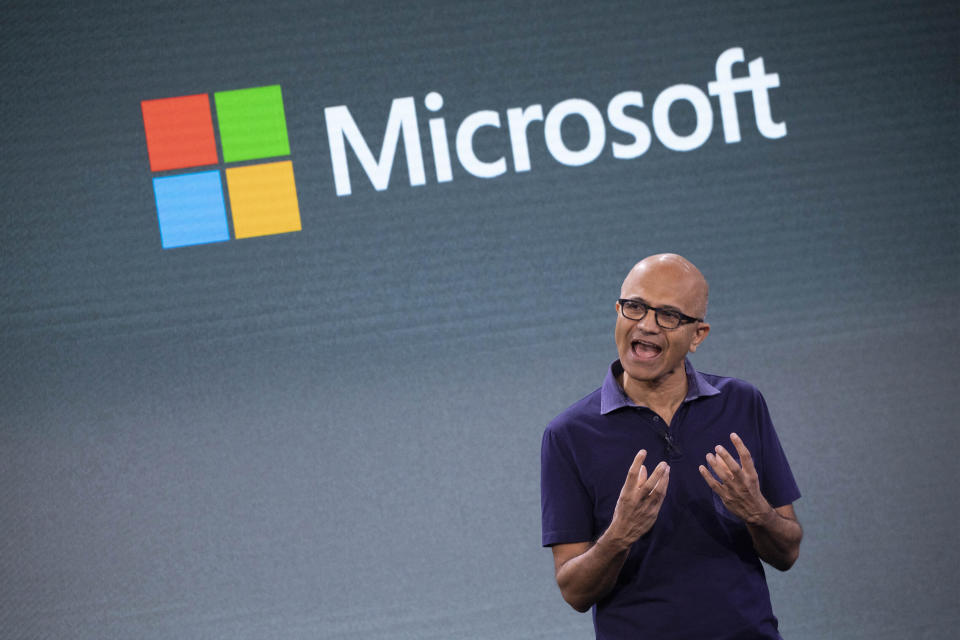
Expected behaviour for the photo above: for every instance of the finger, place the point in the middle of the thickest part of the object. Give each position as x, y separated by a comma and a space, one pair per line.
708, 477
636, 467
745, 458
719, 467
655, 500
659, 490
655, 477
731, 462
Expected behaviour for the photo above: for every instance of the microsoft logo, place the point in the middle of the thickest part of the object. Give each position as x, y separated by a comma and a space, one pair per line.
192, 206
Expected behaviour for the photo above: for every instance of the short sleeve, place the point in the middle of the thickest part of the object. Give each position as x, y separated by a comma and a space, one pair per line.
566, 506
776, 478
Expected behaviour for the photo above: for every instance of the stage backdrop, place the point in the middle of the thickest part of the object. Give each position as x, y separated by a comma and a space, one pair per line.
291, 289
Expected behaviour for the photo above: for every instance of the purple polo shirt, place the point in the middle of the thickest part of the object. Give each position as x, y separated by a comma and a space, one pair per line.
695, 574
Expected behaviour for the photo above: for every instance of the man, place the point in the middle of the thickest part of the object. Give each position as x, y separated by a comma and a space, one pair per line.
673, 552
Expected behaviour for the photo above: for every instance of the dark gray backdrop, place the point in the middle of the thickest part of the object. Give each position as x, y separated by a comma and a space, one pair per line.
335, 433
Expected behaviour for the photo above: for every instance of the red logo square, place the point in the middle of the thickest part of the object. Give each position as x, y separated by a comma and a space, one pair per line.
179, 132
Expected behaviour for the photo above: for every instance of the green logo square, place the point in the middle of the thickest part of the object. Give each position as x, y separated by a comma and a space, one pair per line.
252, 123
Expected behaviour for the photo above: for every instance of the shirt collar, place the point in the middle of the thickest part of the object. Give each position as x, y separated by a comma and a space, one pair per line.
612, 396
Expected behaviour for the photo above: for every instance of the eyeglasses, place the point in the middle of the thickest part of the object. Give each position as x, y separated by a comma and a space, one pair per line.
666, 318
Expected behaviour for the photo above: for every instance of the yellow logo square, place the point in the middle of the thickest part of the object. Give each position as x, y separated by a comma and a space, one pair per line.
263, 199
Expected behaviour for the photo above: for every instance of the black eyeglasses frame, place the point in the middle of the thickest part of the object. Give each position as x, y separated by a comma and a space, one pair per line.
683, 318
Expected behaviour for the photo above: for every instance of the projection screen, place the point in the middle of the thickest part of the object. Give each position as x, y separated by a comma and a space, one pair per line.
291, 290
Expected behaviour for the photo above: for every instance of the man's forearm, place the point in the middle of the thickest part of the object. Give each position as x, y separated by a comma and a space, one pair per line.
586, 578
776, 538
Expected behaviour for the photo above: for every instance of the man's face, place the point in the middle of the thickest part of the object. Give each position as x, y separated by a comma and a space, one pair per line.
649, 353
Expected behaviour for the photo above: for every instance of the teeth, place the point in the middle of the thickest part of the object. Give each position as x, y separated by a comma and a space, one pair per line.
646, 345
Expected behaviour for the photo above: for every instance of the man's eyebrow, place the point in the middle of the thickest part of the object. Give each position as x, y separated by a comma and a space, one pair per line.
666, 307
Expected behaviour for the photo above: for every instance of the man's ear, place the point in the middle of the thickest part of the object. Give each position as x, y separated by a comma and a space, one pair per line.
703, 330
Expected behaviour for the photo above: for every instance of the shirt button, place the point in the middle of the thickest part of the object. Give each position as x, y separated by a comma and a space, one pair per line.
656, 418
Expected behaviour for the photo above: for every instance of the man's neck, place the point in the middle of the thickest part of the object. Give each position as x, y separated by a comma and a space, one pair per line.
663, 396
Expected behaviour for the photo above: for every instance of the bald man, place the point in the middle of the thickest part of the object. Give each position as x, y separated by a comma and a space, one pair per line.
664, 489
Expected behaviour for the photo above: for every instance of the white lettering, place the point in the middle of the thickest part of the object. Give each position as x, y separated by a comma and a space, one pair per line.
622, 122
597, 133
465, 152
438, 138
761, 100
758, 82
517, 122
341, 126
621, 115
661, 117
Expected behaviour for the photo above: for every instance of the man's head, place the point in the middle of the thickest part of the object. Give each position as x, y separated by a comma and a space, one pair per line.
650, 354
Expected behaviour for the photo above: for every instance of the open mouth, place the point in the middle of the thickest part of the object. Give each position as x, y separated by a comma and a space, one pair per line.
645, 350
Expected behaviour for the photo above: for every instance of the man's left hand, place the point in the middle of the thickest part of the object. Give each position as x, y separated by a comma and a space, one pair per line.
738, 487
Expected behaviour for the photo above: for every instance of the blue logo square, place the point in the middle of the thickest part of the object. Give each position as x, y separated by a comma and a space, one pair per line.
191, 209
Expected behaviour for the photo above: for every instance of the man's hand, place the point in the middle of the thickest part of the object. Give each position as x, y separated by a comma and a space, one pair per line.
739, 487
639, 503
775, 532
588, 571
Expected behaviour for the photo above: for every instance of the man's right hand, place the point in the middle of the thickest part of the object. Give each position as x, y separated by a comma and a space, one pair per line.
587, 571
639, 503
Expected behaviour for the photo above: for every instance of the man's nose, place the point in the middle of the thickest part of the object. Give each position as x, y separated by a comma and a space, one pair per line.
648, 323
